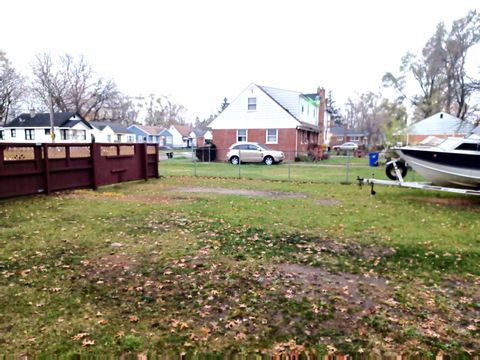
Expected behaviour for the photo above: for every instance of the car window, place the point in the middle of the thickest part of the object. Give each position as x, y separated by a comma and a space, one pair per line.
240, 147
253, 147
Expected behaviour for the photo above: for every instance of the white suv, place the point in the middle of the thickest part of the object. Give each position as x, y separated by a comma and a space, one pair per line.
253, 152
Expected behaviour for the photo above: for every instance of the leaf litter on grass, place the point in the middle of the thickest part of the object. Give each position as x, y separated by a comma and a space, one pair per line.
263, 289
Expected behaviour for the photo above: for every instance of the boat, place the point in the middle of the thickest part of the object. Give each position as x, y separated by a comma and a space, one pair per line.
455, 162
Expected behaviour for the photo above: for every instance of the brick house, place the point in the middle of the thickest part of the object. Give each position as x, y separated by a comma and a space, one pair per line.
440, 125
341, 134
282, 119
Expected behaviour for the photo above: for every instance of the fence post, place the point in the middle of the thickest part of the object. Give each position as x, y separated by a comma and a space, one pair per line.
347, 167
2, 148
94, 147
289, 170
239, 163
157, 162
47, 169
145, 161
194, 160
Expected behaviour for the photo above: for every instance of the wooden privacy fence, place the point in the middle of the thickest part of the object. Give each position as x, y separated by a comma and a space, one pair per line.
43, 168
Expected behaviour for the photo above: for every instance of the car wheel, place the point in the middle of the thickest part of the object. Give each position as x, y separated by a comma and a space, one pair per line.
235, 160
268, 160
390, 170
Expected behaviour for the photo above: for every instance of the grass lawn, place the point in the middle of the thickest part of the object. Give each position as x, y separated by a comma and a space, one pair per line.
219, 265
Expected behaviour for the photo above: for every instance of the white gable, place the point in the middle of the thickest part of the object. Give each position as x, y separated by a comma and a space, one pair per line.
80, 126
267, 115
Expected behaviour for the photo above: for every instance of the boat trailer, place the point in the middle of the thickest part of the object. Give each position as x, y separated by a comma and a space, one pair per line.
411, 184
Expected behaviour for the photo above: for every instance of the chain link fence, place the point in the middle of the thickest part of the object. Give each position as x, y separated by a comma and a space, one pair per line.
335, 168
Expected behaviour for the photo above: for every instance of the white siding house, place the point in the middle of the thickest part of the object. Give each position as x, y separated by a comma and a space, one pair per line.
35, 128
107, 131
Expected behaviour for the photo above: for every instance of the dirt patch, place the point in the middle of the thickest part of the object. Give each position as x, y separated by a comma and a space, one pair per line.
145, 199
328, 202
111, 267
354, 289
242, 192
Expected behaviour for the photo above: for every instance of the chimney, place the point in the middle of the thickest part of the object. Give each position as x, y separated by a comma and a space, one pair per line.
321, 113
32, 113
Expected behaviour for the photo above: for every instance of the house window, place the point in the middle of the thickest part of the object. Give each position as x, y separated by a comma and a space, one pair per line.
119, 138
241, 135
109, 138
339, 138
47, 131
131, 138
64, 134
252, 103
13, 133
272, 136
1, 135
29, 134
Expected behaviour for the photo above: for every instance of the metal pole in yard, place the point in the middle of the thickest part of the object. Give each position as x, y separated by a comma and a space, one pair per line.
347, 167
289, 170
194, 162
239, 162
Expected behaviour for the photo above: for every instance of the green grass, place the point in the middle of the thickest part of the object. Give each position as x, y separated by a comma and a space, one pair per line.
143, 266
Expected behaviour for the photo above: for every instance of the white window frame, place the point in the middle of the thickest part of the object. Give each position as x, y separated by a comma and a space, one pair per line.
267, 135
29, 134
246, 135
252, 104
64, 134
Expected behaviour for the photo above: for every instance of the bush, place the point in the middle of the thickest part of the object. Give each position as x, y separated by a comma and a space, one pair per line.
302, 158
206, 153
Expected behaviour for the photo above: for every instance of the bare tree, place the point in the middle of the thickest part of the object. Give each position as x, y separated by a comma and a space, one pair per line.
163, 111
119, 108
72, 83
464, 34
374, 115
11, 88
440, 70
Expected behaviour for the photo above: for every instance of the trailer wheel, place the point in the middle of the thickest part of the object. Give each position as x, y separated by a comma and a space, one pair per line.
390, 170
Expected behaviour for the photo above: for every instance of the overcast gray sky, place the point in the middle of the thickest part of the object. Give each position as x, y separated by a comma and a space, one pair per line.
199, 52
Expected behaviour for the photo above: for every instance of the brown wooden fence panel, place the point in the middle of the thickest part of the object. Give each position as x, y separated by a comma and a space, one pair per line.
43, 168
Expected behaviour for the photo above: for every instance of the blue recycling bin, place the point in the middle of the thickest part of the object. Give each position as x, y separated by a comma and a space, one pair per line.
373, 159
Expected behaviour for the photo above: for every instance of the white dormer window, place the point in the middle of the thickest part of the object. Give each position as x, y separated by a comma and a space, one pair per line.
252, 103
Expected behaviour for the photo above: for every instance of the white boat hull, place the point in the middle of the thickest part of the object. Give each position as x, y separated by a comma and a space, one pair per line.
444, 174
